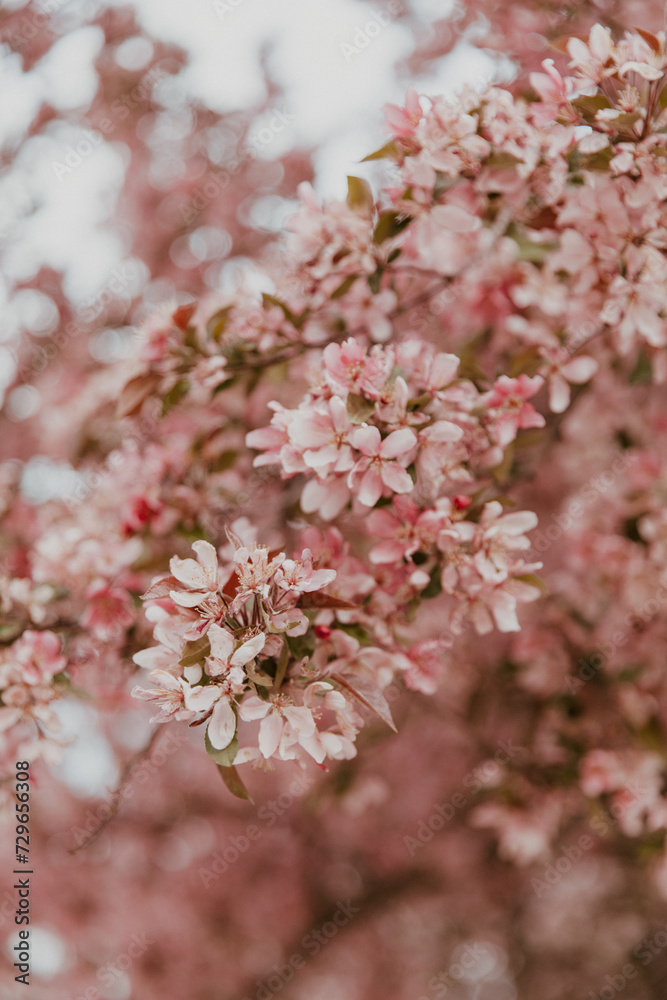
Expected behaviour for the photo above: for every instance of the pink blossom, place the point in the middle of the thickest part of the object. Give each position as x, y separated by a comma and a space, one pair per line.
403, 122
108, 611
350, 369
562, 369
199, 578
327, 497
321, 435
300, 576
282, 726
509, 410
406, 530
383, 466
553, 90
169, 696
225, 654
37, 657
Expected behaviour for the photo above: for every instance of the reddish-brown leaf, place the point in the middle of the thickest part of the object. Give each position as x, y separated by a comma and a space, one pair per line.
318, 600
161, 588
135, 393
371, 697
183, 315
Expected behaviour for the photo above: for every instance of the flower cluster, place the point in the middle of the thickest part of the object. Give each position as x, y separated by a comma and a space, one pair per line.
236, 645
28, 668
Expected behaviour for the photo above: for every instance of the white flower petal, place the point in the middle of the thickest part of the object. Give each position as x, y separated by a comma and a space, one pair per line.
248, 651
200, 699
270, 732
222, 643
252, 708
222, 726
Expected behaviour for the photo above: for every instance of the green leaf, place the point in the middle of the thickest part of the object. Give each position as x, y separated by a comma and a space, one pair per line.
283, 660
215, 326
234, 783
535, 253
534, 581
174, 396
359, 195
591, 105
434, 587
195, 651
358, 408
375, 280
271, 300
443, 183
369, 696
597, 161
525, 363
344, 286
257, 676
225, 757
224, 461
501, 472
500, 159
642, 372
388, 151
356, 631
627, 120
388, 225
9, 631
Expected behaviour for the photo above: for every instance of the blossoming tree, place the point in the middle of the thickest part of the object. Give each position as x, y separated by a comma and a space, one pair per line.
418, 486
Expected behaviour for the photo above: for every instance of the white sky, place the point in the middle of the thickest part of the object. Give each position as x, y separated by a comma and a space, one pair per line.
335, 95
